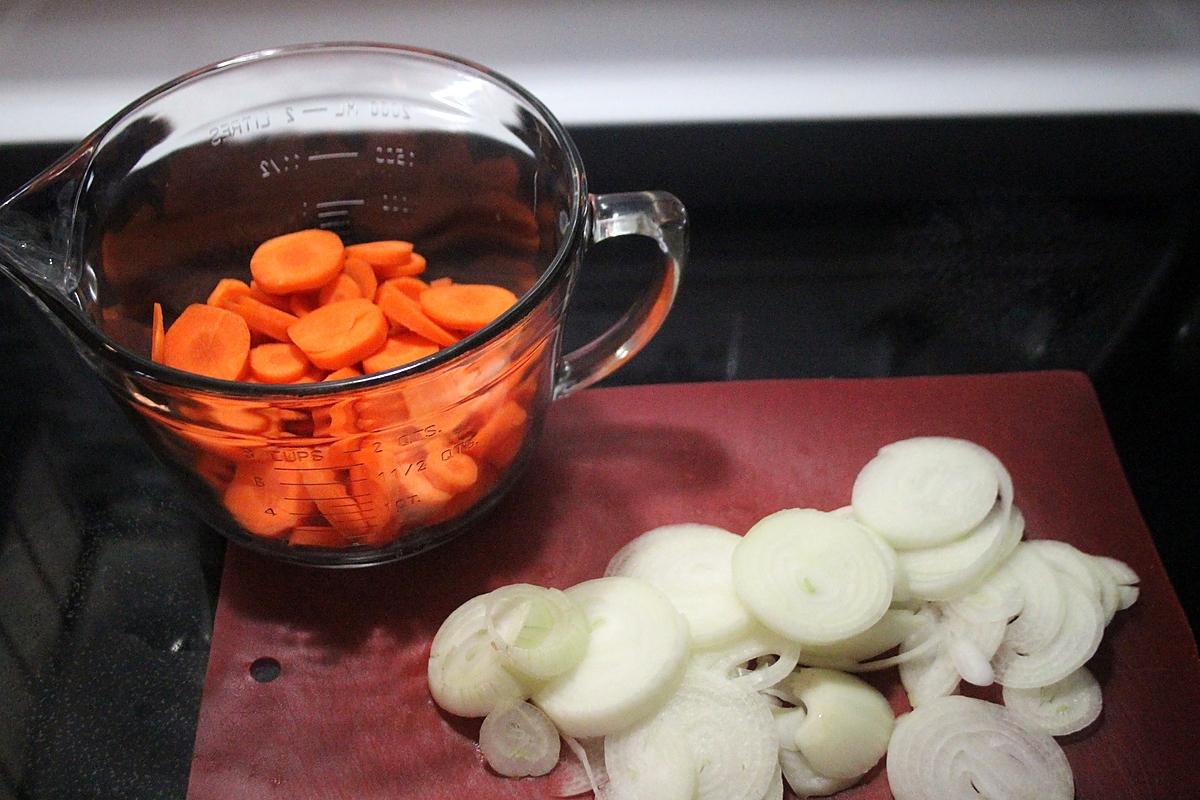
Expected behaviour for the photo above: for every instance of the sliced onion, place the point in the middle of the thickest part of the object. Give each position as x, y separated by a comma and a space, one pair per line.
972, 665
926, 491
1069, 560
540, 632
806, 781
950, 570
811, 576
1020, 664
931, 674
1043, 606
1125, 578
775, 790
997, 599
754, 646
787, 721
519, 740
726, 732
846, 725
635, 657
693, 566
1061, 708
959, 747
466, 676
589, 756
892, 628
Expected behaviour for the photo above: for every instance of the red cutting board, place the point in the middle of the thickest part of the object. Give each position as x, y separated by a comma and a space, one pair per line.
350, 715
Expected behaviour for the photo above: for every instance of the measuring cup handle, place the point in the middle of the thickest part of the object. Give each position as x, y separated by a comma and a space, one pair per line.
663, 218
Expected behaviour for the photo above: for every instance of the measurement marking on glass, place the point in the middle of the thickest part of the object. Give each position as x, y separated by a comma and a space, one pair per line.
311, 483
328, 156
333, 214
302, 469
314, 110
336, 203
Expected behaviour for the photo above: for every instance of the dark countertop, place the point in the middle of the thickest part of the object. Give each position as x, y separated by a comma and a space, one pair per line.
836, 249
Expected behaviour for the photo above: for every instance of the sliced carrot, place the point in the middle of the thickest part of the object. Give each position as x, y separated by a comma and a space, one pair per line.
298, 261
362, 274
498, 439
260, 502
454, 473
343, 287
312, 376
279, 301
445, 280
342, 374
401, 348
278, 362
208, 341
385, 253
340, 334
406, 312
414, 266
302, 303
262, 318
466, 306
338, 419
407, 284
227, 289
156, 334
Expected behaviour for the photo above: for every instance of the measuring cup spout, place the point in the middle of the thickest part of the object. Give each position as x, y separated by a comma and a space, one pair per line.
36, 228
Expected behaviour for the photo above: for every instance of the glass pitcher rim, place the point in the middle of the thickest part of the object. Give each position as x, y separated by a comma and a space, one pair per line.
134, 363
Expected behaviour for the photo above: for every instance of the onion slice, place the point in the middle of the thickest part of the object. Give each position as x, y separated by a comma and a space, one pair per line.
711, 731
959, 747
926, 491
519, 740
805, 781
540, 632
755, 645
811, 576
1061, 708
466, 676
635, 657
692, 565
846, 723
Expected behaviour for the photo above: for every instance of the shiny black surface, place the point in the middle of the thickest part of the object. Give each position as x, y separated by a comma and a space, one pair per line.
847, 249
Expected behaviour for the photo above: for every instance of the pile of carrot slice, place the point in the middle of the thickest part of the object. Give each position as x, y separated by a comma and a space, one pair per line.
316, 309
368, 468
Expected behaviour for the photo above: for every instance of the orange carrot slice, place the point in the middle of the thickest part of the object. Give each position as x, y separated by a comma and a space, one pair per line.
226, 290
208, 341
445, 280
302, 303
297, 262
262, 318
408, 285
452, 474
406, 312
362, 274
401, 348
340, 334
342, 374
415, 265
343, 287
278, 362
279, 301
386, 253
466, 306
156, 334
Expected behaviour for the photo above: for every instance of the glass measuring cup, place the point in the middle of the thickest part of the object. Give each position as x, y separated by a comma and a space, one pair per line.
373, 142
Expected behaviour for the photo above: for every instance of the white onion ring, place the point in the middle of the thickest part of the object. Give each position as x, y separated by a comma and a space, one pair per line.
960, 748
